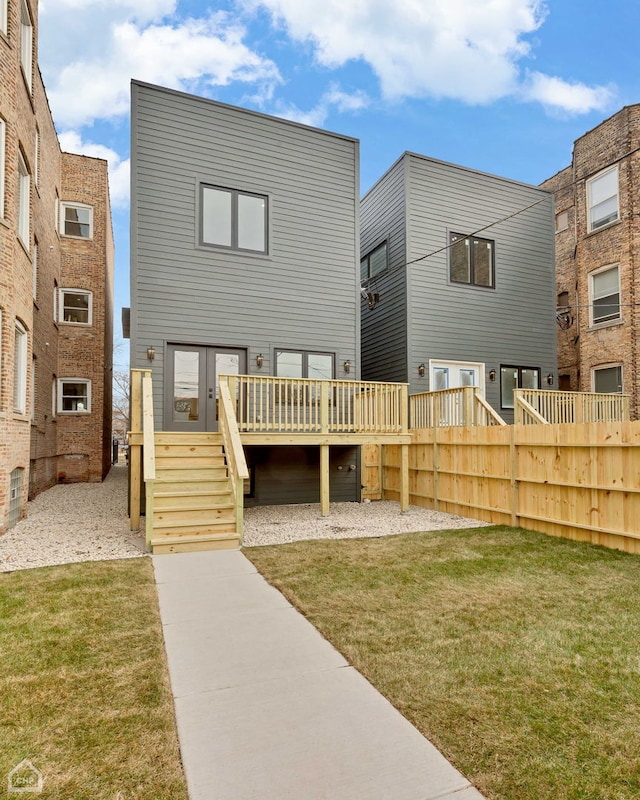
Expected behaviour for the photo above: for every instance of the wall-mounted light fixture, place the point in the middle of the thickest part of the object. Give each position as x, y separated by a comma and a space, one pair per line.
259, 360
550, 379
421, 370
347, 366
492, 375
151, 353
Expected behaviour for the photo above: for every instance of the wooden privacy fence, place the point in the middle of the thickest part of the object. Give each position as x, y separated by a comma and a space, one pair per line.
579, 481
533, 406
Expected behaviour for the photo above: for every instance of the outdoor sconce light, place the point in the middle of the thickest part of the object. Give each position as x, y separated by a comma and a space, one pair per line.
259, 360
550, 379
347, 366
421, 370
492, 375
151, 353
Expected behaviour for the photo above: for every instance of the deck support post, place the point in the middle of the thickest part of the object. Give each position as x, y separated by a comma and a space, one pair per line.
404, 477
324, 480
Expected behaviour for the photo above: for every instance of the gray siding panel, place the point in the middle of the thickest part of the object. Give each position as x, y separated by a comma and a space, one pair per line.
302, 295
511, 324
384, 330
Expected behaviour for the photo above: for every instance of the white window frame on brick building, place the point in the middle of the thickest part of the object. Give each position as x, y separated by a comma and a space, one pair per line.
76, 403
3, 16
603, 207
614, 371
24, 200
604, 296
76, 220
68, 313
26, 43
21, 348
3, 156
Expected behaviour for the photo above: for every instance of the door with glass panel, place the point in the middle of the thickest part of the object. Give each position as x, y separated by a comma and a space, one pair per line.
191, 385
454, 375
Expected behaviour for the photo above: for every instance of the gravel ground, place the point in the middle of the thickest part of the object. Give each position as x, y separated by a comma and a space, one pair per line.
88, 522
279, 524
73, 522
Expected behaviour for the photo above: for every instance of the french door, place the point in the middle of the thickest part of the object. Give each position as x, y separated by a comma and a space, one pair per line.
191, 384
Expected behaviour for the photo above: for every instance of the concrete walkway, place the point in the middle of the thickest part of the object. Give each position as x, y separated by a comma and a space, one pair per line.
268, 710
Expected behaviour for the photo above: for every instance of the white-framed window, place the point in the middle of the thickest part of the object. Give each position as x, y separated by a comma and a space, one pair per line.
4, 16
303, 364
33, 388
74, 396
3, 156
607, 379
75, 306
24, 200
602, 199
54, 396
34, 263
76, 219
374, 262
516, 378
36, 157
604, 290
20, 369
26, 43
562, 221
233, 219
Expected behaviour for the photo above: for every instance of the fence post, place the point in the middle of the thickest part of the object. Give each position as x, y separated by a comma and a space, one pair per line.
436, 466
135, 450
468, 392
404, 477
324, 410
324, 480
404, 408
515, 494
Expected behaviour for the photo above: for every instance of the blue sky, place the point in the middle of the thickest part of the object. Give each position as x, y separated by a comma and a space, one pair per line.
502, 86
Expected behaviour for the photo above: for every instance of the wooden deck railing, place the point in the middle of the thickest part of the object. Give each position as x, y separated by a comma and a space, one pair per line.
266, 404
461, 406
236, 462
142, 459
533, 406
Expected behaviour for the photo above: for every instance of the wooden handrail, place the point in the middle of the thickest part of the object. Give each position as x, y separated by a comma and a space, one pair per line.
463, 405
149, 449
522, 408
561, 407
236, 461
490, 410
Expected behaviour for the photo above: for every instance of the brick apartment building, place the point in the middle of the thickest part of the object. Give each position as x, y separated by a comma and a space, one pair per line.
56, 277
597, 205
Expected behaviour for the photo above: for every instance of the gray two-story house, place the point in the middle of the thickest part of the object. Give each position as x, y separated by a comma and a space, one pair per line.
244, 260
457, 270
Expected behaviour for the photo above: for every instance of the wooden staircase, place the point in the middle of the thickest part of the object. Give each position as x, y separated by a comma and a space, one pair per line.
193, 504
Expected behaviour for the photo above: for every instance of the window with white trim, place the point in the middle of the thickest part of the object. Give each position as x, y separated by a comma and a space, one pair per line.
233, 219
602, 200
74, 396
76, 220
75, 306
26, 43
20, 369
374, 262
34, 263
604, 290
3, 16
33, 387
24, 200
516, 378
36, 157
54, 395
3, 155
607, 379
303, 364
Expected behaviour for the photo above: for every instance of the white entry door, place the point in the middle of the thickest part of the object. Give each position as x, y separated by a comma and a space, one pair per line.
454, 374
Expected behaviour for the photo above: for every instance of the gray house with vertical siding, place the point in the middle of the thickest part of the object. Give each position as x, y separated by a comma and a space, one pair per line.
244, 259
457, 270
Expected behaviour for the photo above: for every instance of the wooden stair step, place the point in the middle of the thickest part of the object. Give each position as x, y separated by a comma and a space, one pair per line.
187, 437
226, 489
195, 530
196, 474
190, 508
188, 544
192, 517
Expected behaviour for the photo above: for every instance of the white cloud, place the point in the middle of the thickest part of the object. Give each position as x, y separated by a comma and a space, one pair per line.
317, 116
468, 50
119, 169
570, 97
194, 54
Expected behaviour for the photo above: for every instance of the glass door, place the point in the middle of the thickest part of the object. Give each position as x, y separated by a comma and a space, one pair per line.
191, 384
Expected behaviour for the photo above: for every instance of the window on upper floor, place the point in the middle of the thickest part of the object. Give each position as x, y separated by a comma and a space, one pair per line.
562, 221
26, 43
24, 200
75, 306
607, 379
516, 378
36, 157
302, 364
3, 16
76, 220
374, 262
602, 199
604, 291
471, 260
74, 396
34, 274
233, 219
3, 156
20, 368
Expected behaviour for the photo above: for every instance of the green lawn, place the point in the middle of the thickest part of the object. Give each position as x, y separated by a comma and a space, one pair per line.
84, 685
517, 654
